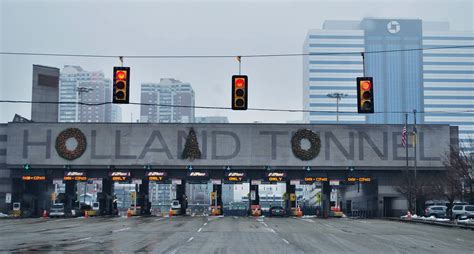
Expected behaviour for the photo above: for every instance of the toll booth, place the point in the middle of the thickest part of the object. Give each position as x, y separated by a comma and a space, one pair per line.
216, 197
36, 193
254, 199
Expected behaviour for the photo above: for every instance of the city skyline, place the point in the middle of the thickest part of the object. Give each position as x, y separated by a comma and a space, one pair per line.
268, 84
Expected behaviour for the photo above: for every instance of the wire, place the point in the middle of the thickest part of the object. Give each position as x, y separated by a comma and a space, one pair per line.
228, 108
230, 56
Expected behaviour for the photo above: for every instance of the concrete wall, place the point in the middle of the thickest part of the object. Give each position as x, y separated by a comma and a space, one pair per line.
5, 181
244, 145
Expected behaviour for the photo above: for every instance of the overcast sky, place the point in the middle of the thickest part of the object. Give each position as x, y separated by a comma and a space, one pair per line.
188, 28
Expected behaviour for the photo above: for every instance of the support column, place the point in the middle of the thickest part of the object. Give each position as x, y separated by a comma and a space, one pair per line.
326, 199
181, 196
70, 195
256, 200
143, 197
290, 189
107, 201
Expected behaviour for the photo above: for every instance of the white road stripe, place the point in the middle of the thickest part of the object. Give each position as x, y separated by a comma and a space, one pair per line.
199, 230
120, 230
80, 240
308, 220
284, 240
173, 252
190, 239
159, 219
205, 224
265, 224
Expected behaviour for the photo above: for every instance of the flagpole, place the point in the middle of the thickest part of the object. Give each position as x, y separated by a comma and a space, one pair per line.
406, 158
406, 145
414, 149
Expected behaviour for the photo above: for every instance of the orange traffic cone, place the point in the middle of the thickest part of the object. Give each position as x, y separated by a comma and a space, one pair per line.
129, 213
86, 214
45, 214
299, 213
171, 212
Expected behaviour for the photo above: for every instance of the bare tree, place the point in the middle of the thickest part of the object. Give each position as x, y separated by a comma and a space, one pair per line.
425, 187
458, 177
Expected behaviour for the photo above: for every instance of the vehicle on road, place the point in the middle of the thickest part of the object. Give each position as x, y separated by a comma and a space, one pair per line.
460, 211
57, 210
438, 211
175, 207
277, 211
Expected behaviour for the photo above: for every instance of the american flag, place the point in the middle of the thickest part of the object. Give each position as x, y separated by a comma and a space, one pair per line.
404, 136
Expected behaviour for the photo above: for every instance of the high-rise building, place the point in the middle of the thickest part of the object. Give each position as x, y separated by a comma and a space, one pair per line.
211, 119
448, 77
45, 89
436, 82
116, 114
78, 85
398, 76
162, 96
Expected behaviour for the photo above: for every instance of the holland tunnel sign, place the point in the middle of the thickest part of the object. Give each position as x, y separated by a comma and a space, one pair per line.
222, 144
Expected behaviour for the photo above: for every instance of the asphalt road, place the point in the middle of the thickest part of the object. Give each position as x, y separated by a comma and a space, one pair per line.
230, 235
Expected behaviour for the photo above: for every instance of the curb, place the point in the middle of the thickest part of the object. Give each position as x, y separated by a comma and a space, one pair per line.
435, 223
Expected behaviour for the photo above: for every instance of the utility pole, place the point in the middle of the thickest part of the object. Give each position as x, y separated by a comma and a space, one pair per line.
338, 97
81, 90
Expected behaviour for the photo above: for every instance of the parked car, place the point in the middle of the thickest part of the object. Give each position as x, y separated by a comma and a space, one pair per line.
277, 211
460, 211
438, 211
57, 210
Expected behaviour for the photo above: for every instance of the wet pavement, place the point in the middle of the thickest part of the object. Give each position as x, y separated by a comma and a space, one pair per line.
229, 235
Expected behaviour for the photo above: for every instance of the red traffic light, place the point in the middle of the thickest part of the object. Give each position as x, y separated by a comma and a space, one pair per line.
239, 83
120, 75
365, 85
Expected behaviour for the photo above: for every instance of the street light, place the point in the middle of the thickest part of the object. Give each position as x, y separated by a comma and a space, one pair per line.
338, 97
81, 90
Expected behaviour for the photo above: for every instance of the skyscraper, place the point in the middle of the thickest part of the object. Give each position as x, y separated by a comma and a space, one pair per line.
335, 61
448, 77
162, 96
45, 89
78, 85
438, 83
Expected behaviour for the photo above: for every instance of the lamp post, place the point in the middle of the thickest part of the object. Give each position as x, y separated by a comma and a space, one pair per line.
338, 97
81, 90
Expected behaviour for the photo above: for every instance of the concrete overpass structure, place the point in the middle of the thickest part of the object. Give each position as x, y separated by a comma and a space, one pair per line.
181, 153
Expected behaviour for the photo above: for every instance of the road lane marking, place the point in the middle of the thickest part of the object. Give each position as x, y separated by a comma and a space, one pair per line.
120, 230
80, 240
199, 230
159, 219
265, 224
308, 220
205, 224
190, 239
286, 241
173, 252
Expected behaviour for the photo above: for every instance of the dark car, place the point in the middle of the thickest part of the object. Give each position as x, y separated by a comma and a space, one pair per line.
277, 211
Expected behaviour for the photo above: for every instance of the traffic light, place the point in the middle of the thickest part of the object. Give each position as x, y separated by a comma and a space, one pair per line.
26, 167
121, 85
365, 95
239, 92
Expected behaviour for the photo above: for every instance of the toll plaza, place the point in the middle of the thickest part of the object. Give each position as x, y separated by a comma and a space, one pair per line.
306, 169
